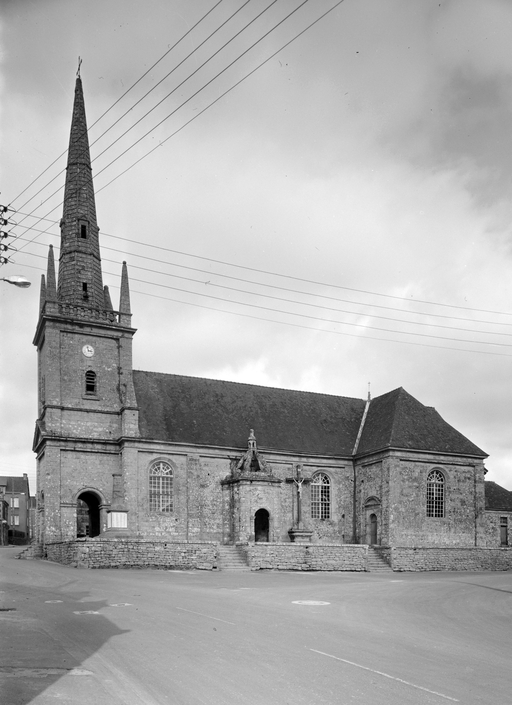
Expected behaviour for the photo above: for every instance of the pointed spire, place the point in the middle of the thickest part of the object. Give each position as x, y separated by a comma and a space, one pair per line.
124, 302
80, 279
107, 299
51, 285
42, 295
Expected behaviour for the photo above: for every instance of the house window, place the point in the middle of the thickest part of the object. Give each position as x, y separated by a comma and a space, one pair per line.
83, 231
320, 496
15, 502
90, 382
160, 487
435, 494
504, 531
16, 520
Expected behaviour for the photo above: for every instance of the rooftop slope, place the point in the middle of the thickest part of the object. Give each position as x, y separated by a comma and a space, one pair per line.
212, 412
14, 483
497, 498
398, 420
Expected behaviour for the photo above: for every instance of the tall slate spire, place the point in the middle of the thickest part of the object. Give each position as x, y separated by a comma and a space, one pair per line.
80, 279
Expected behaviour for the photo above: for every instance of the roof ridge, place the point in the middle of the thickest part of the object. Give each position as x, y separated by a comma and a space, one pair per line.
251, 384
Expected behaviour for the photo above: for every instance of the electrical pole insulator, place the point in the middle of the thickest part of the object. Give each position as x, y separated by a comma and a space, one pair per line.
3, 234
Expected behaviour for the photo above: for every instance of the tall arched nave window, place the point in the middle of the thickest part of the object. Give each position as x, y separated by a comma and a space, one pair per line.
161, 478
435, 494
320, 496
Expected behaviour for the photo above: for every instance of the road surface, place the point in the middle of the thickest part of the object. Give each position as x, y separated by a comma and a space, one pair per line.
150, 637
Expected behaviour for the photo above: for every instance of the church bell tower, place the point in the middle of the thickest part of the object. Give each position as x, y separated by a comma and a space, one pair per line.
86, 398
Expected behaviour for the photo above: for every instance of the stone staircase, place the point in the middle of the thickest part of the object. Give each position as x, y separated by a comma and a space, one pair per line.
375, 561
33, 550
231, 558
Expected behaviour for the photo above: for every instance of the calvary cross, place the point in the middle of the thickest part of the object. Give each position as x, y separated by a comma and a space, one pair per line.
298, 480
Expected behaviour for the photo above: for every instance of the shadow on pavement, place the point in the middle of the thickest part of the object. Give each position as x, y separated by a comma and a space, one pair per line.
48, 634
487, 587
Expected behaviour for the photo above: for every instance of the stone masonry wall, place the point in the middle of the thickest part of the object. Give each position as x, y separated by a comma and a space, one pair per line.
476, 559
492, 537
464, 502
125, 553
286, 556
132, 553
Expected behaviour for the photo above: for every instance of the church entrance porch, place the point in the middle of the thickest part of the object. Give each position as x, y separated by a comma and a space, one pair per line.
87, 515
261, 526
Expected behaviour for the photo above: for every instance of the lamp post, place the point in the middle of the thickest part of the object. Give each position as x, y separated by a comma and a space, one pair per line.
16, 281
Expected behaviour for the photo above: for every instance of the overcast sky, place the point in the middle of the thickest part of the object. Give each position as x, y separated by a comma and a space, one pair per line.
341, 217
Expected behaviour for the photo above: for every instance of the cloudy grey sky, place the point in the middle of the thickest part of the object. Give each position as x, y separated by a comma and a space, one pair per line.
341, 217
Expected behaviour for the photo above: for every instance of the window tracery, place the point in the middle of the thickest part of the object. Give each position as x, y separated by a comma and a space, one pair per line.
161, 478
435, 494
320, 496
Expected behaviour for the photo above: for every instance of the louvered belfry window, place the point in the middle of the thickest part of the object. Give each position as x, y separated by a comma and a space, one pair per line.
435, 494
160, 487
320, 496
90, 382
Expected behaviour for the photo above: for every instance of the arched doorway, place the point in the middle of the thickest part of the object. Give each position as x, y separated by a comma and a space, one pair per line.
372, 512
373, 529
87, 515
261, 525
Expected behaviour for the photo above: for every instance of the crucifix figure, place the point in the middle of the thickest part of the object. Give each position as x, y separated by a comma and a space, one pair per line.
298, 481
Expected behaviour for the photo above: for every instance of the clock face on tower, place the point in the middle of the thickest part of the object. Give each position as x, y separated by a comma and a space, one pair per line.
88, 350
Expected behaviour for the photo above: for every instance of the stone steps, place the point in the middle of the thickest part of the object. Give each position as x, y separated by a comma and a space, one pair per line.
232, 558
376, 563
34, 550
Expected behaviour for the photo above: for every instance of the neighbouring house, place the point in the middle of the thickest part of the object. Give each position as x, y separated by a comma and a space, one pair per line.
4, 521
16, 493
498, 506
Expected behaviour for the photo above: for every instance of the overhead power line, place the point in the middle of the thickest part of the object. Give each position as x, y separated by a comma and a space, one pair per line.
214, 101
305, 281
78, 138
304, 327
315, 318
185, 102
114, 104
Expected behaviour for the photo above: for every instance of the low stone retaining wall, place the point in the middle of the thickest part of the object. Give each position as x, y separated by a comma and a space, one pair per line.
419, 559
125, 553
292, 556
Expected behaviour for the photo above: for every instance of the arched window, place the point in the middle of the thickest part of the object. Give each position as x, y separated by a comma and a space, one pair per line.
320, 496
435, 494
90, 382
160, 487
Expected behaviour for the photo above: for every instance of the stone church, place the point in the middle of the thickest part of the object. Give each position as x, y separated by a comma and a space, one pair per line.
134, 456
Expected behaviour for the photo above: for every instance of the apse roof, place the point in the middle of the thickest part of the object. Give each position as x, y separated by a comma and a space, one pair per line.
200, 411
398, 420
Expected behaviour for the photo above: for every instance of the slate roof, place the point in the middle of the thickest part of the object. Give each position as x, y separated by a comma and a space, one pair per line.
212, 412
497, 498
16, 484
398, 420
193, 410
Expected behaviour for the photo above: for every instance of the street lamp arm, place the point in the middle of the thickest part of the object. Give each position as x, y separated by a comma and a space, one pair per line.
16, 281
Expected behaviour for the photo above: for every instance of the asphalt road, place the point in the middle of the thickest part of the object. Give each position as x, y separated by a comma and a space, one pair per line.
138, 637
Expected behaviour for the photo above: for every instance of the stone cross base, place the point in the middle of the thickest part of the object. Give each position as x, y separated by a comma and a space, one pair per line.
300, 535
